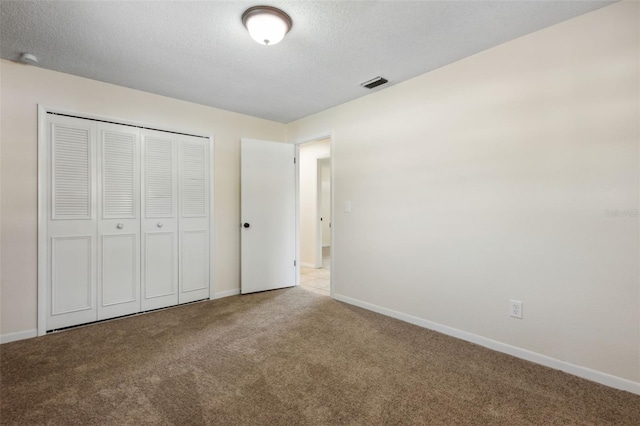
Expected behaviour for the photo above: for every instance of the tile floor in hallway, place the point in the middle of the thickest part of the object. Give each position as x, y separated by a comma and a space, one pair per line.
318, 280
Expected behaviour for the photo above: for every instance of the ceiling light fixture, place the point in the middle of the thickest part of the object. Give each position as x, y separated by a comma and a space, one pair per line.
266, 25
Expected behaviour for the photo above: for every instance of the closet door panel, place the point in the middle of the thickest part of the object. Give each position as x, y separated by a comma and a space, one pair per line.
194, 218
159, 264
119, 220
72, 168
71, 224
120, 282
71, 274
195, 265
159, 220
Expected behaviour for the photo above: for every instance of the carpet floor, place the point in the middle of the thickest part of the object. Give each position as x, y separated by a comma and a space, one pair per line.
285, 357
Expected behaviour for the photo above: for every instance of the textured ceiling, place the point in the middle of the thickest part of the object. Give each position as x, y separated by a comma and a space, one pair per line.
199, 51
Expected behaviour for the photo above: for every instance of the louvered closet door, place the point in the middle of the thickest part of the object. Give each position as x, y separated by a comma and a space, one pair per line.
71, 222
159, 222
118, 220
193, 172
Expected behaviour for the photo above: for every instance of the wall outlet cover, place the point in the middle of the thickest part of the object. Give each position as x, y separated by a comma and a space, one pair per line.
515, 309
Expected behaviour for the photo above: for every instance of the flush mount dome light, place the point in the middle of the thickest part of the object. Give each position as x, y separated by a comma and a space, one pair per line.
266, 25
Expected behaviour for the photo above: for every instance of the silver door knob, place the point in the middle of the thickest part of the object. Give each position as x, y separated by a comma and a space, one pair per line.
120, 225
160, 225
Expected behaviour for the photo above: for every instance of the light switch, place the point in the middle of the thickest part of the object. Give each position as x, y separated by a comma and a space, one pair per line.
347, 206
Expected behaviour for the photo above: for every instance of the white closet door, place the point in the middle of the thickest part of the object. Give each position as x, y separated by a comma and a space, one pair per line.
71, 222
159, 222
193, 172
119, 220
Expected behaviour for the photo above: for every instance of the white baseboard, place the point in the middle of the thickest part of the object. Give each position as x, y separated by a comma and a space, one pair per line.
20, 335
576, 370
226, 293
308, 265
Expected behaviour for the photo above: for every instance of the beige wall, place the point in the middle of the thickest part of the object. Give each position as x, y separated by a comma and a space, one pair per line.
489, 180
22, 89
310, 193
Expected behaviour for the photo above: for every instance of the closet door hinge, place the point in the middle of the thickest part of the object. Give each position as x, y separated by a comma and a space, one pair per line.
294, 263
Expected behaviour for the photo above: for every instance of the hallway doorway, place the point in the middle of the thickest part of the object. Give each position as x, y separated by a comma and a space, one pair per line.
315, 216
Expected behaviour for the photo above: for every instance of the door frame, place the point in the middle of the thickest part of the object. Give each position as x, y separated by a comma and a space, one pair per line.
43, 186
297, 142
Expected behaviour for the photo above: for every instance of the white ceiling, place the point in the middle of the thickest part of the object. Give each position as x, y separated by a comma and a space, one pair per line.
199, 51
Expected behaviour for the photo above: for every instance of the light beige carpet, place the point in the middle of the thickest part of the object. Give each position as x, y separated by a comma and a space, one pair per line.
286, 357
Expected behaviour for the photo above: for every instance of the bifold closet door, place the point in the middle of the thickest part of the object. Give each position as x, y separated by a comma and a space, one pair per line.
175, 222
193, 172
127, 220
71, 222
118, 220
159, 222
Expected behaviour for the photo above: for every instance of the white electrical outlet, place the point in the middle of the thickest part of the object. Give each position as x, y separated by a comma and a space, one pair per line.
515, 309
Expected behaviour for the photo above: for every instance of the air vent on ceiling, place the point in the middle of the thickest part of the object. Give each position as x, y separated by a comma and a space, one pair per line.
374, 82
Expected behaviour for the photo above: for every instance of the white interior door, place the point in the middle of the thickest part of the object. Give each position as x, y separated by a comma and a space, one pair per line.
193, 172
267, 215
159, 223
71, 222
325, 173
118, 220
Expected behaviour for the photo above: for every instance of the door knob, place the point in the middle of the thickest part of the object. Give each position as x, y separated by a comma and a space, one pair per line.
246, 225
120, 225
160, 225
